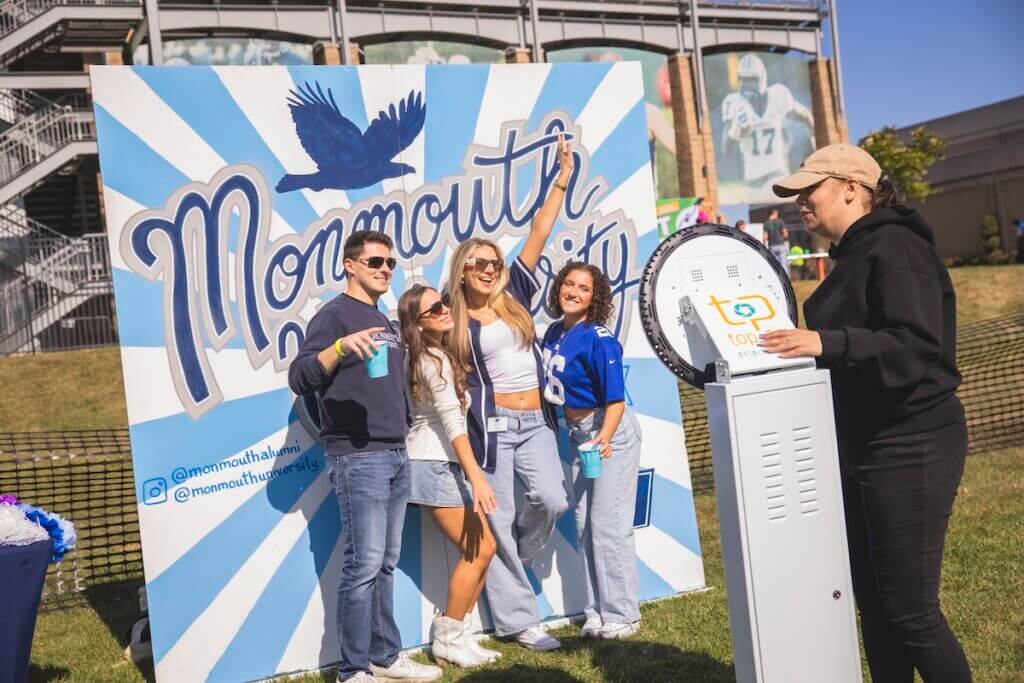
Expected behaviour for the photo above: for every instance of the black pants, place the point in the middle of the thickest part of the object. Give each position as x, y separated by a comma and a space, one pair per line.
899, 493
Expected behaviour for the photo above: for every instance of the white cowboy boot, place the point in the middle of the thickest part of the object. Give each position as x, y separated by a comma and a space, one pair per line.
451, 644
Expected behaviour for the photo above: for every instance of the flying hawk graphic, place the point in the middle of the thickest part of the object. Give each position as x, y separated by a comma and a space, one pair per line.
346, 158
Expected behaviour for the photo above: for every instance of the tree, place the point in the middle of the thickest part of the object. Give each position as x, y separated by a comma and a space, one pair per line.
905, 165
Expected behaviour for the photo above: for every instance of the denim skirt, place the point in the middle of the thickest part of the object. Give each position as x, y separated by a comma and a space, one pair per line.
439, 484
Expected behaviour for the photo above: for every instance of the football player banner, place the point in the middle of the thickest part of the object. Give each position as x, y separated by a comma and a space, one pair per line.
228, 194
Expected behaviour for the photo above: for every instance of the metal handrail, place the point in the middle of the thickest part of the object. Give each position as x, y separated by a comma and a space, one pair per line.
16, 13
40, 135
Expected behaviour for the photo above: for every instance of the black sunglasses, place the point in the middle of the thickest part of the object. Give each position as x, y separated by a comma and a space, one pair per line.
438, 307
375, 262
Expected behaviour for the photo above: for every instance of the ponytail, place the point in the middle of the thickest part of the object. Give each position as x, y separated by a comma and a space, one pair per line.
884, 195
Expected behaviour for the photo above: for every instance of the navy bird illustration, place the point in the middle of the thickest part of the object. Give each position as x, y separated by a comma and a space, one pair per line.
345, 157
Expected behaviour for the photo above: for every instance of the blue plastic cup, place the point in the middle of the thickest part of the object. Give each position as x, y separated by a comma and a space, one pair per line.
590, 456
377, 364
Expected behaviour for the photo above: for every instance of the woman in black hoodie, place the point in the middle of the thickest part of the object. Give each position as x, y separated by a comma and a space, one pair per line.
884, 323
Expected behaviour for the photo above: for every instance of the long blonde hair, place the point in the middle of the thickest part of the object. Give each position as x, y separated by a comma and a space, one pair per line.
418, 347
503, 303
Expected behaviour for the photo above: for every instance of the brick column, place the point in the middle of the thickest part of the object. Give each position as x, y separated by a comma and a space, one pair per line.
517, 55
89, 59
695, 152
330, 53
829, 127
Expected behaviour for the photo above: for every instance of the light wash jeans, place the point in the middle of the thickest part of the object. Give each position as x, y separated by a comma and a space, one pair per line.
527, 452
605, 508
781, 254
372, 490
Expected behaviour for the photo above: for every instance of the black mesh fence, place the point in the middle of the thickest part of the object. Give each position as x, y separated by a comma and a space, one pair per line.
990, 355
86, 476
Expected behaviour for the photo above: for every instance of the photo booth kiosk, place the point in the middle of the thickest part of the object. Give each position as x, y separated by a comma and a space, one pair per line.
708, 292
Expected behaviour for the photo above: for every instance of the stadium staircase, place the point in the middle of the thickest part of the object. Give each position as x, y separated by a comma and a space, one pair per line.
49, 275
26, 26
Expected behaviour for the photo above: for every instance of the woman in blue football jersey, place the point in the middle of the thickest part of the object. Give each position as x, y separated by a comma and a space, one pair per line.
583, 375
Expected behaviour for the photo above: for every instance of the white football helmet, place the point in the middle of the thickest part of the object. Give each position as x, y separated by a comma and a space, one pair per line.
751, 68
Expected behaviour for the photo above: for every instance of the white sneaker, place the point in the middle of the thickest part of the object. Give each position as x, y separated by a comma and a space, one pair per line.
361, 677
613, 631
404, 669
591, 627
537, 639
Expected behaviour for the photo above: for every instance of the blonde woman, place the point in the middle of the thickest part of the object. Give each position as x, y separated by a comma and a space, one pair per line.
510, 428
447, 482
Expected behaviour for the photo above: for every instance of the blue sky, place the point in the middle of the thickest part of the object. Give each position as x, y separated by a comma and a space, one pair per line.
907, 61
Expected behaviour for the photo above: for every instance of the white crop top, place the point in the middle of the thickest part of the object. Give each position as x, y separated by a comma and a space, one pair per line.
511, 366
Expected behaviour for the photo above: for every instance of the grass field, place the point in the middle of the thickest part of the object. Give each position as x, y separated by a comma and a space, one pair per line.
85, 390
682, 639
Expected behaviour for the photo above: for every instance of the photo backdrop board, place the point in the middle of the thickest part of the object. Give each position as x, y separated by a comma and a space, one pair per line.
225, 235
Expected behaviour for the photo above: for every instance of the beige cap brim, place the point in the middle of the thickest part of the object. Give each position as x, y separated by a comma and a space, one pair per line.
801, 180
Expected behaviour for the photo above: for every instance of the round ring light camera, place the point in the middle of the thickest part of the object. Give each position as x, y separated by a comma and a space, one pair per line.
707, 262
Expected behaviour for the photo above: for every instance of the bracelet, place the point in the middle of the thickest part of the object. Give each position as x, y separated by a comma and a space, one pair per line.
563, 188
337, 347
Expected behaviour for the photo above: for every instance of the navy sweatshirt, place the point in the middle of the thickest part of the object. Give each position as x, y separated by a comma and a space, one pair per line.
358, 414
887, 319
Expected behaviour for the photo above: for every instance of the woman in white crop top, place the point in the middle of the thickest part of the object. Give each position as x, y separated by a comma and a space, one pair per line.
511, 430
441, 462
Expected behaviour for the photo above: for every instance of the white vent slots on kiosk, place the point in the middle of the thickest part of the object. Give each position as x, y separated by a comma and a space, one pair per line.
707, 293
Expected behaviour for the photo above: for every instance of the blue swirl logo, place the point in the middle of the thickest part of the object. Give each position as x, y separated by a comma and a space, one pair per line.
744, 310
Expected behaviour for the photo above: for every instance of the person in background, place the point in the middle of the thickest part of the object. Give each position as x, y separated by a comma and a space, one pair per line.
584, 376
447, 482
776, 238
364, 419
741, 225
884, 323
702, 212
511, 430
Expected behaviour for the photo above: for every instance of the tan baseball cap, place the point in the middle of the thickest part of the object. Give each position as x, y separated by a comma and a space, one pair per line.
848, 162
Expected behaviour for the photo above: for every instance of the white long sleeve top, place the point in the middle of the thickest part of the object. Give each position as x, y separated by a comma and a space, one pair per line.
435, 425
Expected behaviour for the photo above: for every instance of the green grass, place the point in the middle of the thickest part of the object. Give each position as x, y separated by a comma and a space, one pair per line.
85, 390
682, 639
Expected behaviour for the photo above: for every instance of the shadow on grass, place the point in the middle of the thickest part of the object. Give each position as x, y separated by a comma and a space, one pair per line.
117, 605
637, 660
519, 673
44, 674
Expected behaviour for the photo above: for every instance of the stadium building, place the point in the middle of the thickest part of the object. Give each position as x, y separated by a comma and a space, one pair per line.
55, 276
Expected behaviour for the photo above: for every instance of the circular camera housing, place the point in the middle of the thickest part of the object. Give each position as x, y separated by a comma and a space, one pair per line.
686, 264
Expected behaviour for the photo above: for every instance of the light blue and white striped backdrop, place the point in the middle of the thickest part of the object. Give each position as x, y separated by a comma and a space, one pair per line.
239, 530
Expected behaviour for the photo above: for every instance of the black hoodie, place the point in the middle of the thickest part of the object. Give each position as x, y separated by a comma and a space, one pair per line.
887, 318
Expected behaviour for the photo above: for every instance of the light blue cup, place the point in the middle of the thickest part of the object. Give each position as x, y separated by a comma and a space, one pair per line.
590, 456
377, 364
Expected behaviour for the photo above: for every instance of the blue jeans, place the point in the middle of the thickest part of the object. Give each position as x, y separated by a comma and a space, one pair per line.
372, 490
781, 253
605, 508
527, 453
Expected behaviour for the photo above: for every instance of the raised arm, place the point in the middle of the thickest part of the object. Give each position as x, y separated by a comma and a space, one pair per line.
544, 219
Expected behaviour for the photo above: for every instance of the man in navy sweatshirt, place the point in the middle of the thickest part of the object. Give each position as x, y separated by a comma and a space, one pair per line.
364, 420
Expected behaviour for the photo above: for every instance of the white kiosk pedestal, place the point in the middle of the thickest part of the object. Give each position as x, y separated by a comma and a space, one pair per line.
708, 293
780, 509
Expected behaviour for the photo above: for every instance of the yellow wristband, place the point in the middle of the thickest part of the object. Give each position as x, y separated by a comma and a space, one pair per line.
337, 347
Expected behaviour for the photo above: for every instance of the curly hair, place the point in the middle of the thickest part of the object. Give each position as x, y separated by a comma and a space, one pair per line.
601, 307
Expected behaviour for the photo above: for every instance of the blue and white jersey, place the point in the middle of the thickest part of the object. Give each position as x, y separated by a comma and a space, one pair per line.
582, 366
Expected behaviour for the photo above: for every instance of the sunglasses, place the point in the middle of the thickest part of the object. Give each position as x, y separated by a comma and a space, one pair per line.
480, 264
375, 262
437, 309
